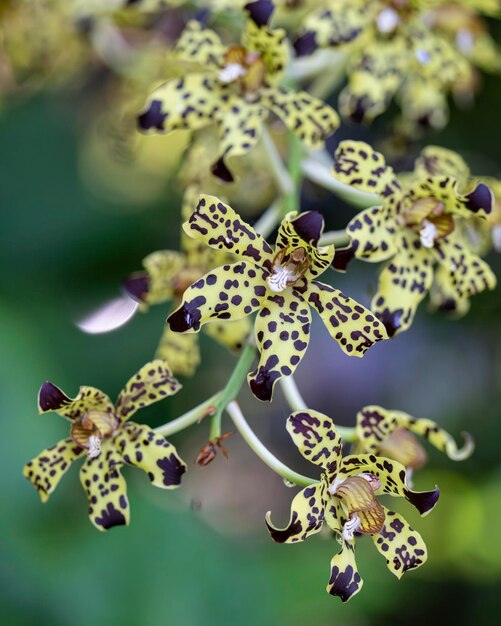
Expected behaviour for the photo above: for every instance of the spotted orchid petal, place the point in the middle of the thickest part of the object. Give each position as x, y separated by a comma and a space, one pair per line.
402, 546
307, 516
106, 489
271, 44
403, 284
306, 116
338, 25
201, 45
232, 335
360, 166
353, 326
46, 470
153, 382
180, 351
190, 102
162, 268
315, 436
438, 161
374, 78
220, 227
52, 398
372, 234
392, 475
468, 273
230, 292
444, 296
239, 125
304, 230
375, 424
141, 447
282, 336
424, 105
444, 189
344, 581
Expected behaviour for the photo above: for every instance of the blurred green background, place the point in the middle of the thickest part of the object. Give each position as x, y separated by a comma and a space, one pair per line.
202, 555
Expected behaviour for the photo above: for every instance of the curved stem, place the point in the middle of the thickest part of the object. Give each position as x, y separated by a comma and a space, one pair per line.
339, 238
279, 171
262, 452
190, 417
296, 402
321, 174
232, 388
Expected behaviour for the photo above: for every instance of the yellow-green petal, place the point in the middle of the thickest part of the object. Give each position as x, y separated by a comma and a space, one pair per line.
353, 326
304, 230
180, 351
315, 436
271, 44
436, 161
469, 274
403, 283
282, 336
306, 518
221, 228
359, 165
52, 398
201, 45
311, 119
153, 382
375, 424
372, 233
402, 546
46, 470
141, 447
232, 335
344, 581
106, 489
444, 296
392, 476
337, 24
230, 292
162, 267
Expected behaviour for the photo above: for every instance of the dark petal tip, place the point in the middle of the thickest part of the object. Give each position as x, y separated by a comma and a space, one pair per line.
260, 11
221, 171
344, 584
424, 501
137, 286
480, 199
342, 258
309, 226
391, 320
186, 318
262, 384
305, 44
281, 535
51, 398
152, 117
110, 517
172, 469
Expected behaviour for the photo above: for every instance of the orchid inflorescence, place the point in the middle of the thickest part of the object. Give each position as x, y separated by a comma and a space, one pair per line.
228, 85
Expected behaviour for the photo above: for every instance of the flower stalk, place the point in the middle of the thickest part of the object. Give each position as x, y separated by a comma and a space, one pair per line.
262, 452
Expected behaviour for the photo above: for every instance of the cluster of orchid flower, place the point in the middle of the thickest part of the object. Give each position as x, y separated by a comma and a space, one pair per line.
430, 228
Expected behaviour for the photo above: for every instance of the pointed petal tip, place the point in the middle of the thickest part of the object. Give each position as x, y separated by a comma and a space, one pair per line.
152, 118
424, 501
305, 44
51, 398
220, 170
309, 226
136, 286
260, 11
466, 451
480, 199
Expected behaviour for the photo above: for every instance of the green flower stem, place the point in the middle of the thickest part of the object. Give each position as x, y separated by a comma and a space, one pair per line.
291, 200
262, 452
322, 61
329, 79
191, 417
320, 173
339, 238
296, 403
269, 219
284, 181
232, 388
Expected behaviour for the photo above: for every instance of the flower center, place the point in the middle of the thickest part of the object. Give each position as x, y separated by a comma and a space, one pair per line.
89, 431
365, 514
243, 68
288, 269
426, 216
